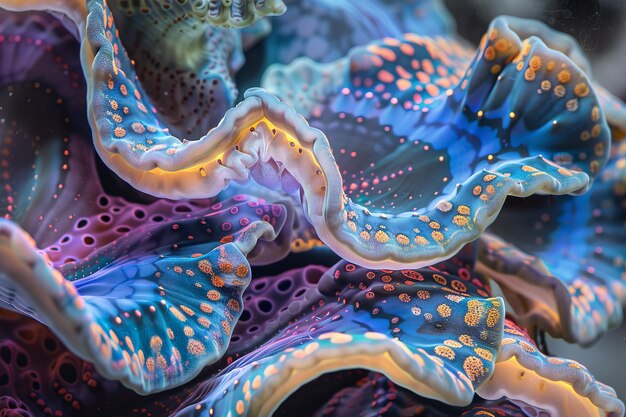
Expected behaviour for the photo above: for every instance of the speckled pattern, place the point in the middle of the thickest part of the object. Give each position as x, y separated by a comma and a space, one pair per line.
319, 248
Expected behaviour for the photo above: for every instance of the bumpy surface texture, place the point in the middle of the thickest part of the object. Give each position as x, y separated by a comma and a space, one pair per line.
318, 248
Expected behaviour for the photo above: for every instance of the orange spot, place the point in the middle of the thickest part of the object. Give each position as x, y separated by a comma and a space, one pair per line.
432, 89
387, 54
403, 84
428, 66
407, 49
402, 72
385, 76
423, 77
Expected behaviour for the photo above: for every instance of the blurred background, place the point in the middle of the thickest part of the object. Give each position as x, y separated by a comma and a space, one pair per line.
599, 26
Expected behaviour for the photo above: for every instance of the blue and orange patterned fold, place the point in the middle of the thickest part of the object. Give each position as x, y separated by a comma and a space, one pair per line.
565, 273
428, 330
326, 30
266, 140
437, 119
464, 130
414, 144
546, 385
296, 310
306, 303
148, 291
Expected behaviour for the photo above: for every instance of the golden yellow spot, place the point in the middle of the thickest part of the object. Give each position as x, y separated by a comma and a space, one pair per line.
445, 352
460, 220
452, 343
206, 308
475, 311
402, 239
205, 266
114, 104
204, 322
507, 341
463, 210
546, 85
420, 240
466, 340
493, 316
444, 310
119, 132
484, 353
473, 368
364, 235
423, 294
564, 76
187, 310
527, 168
529, 74
188, 331
581, 89
535, 63
496, 69
477, 190
527, 347
381, 237
213, 295
438, 236
195, 347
